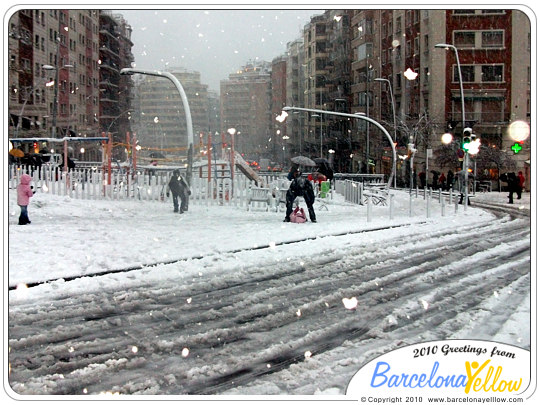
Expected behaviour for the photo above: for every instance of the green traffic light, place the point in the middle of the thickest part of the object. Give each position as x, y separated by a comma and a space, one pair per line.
466, 143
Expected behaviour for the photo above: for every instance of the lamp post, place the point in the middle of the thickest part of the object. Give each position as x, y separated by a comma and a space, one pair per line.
185, 103
358, 116
379, 79
118, 116
466, 157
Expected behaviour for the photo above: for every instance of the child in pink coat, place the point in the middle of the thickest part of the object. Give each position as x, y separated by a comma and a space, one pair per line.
24, 192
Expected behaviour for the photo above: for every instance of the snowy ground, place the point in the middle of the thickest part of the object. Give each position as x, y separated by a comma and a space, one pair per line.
70, 238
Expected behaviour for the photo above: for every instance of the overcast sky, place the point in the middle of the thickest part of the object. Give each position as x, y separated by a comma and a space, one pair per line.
212, 42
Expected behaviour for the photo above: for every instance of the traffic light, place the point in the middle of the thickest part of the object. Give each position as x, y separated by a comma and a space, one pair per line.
466, 140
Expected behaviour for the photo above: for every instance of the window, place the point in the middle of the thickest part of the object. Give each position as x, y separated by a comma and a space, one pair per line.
364, 97
467, 73
398, 52
464, 39
492, 39
365, 51
426, 76
492, 73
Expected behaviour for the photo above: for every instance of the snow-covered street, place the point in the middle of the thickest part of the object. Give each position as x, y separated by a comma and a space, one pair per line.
225, 301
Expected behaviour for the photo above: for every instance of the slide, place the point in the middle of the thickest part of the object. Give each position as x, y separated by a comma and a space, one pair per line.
247, 170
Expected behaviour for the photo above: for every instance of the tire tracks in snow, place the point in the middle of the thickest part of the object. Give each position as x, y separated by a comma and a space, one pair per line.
230, 326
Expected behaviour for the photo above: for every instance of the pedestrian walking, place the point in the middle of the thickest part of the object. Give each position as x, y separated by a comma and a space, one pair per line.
300, 187
462, 186
422, 177
442, 181
521, 183
24, 193
513, 187
179, 188
449, 180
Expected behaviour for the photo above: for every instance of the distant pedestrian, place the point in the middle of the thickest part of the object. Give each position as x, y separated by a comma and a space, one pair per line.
300, 187
521, 184
179, 189
449, 180
442, 181
24, 193
513, 187
462, 186
422, 177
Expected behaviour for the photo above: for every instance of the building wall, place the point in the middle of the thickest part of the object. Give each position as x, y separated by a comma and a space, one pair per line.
161, 126
64, 39
246, 105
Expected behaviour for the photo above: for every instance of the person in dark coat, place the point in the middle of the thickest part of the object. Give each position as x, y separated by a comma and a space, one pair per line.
300, 187
449, 180
422, 177
294, 168
179, 188
513, 186
521, 184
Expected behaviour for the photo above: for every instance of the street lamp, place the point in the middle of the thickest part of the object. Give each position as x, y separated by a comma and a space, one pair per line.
358, 116
466, 158
379, 79
185, 103
118, 116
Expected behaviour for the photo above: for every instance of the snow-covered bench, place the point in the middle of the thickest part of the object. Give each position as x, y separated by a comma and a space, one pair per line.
261, 195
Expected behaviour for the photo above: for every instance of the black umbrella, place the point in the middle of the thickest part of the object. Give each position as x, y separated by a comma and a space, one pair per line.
324, 167
303, 161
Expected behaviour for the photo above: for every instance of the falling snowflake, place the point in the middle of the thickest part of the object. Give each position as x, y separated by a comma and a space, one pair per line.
307, 354
185, 352
350, 303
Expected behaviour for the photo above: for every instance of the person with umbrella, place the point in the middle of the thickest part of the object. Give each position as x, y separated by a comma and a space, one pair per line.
300, 187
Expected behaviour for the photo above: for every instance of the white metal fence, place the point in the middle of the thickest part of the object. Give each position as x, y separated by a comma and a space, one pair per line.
93, 184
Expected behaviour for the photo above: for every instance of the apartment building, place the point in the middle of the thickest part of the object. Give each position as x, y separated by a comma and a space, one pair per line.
279, 100
294, 95
114, 54
246, 106
56, 74
161, 121
494, 52
53, 55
